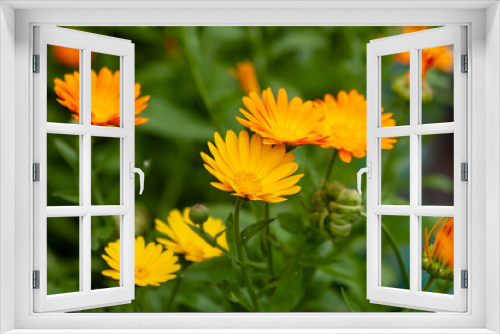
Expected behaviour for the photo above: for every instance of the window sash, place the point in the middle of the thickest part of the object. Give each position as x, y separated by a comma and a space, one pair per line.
86, 43
414, 298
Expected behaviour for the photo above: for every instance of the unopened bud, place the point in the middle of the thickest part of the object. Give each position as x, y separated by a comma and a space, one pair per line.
199, 214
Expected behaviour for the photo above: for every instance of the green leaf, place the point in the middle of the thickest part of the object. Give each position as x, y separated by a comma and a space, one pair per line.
438, 182
286, 295
292, 222
213, 270
350, 304
253, 229
69, 153
235, 295
170, 121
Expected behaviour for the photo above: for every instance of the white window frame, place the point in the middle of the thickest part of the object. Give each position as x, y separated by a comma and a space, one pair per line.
87, 43
483, 20
414, 43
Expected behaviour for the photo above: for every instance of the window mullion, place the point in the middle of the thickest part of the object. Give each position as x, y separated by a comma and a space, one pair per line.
414, 167
85, 167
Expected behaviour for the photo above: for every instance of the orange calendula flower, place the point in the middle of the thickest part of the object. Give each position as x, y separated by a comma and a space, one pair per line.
281, 122
105, 90
344, 125
183, 240
152, 265
440, 57
251, 169
245, 74
66, 56
441, 250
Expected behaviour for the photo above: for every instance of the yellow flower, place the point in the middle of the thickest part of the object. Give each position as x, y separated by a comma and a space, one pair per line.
345, 124
442, 248
245, 74
252, 169
440, 57
152, 265
280, 122
183, 240
105, 91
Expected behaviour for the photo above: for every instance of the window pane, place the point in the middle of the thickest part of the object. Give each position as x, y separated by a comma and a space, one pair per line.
395, 250
63, 84
395, 171
63, 179
437, 84
395, 80
437, 169
105, 90
437, 254
63, 255
105, 233
105, 171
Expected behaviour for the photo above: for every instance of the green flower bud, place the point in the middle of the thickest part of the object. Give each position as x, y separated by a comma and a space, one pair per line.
334, 208
349, 197
318, 200
199, 214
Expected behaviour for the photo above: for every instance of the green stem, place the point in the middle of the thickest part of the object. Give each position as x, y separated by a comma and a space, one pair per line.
214, 243
171, 298
428, 284
268, 247
332, 163
241, 256
399, 257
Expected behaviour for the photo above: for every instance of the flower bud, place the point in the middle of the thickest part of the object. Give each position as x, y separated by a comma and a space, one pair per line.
199, 214
333, 189
334, 208
349, 197
318, 200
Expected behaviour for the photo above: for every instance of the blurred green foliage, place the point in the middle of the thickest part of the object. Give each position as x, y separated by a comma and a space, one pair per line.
185, 70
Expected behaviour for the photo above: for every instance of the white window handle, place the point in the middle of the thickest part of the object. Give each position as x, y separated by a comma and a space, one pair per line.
141, 175
368, 171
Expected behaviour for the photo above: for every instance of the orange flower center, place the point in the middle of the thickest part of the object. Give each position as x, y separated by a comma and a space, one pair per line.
284, 133
141, 273
247, 183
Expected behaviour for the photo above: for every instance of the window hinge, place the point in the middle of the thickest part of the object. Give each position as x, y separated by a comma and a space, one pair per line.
465, 279
36, 63
465, 64
464, 171
36, 279
36, 172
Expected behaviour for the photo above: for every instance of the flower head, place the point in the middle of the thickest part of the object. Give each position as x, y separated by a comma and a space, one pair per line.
441, 250
105, 90
440, 57
281, 122
251, 169
183, 240
67, 56
345, 124
245, 74
152, 265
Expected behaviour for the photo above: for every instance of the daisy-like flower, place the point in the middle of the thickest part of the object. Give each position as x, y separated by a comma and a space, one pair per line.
66, 56
440, 57
345, 124
281, 122
441, 250
183, 240
152, 265
105, 90
245, 74
251, 169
